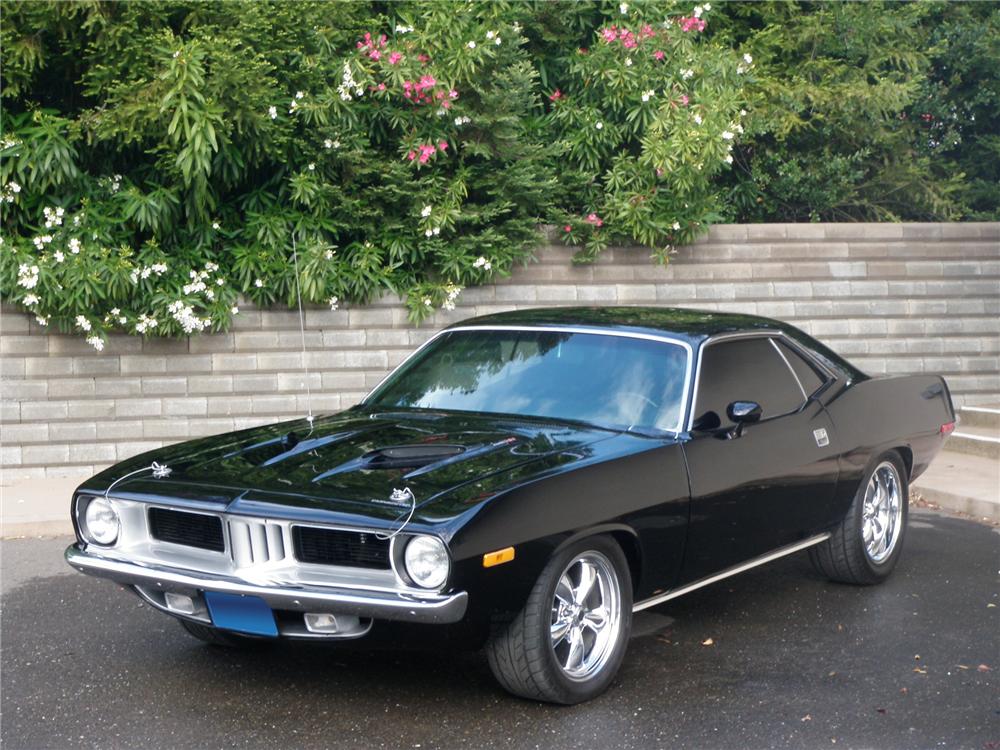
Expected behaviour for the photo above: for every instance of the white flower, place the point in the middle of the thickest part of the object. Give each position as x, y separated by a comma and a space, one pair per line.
333, 302
726, 135
299, 94
497, 41
347, 83
686, 74
82, 323
748, 59
623, 8
428, 232
210, 294
698, 10
459, 121
14, 187
159, 268
220, 281
707, 6
741, 69
258, 283
481, 262
97, 342
428, 302
697, 119
115, 311
30, 299
144, 323
74, 246
234, 310
490, 34
628, 62
729, 158
215, 225
471, 44
599, 125
743, 113
312, 166
184, 314
400, 29
516, 26
329, 254
436, 230
675, 226
647, 95
42, 321
58, 255
27, 276
426, 211
272, 112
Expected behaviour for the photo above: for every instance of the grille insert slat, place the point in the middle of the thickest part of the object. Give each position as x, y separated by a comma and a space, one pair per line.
190, 529
338, 547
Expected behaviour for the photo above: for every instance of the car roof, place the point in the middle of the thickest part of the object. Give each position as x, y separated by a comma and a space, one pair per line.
690, 325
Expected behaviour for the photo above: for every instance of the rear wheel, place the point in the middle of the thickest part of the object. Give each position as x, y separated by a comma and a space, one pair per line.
568, 642
865, 547
222, 638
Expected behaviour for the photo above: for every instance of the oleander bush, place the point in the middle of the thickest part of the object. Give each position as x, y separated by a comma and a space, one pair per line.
162, 160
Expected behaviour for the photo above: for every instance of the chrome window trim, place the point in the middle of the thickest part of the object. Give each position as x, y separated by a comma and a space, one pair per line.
790, 368
767, 333
666, 339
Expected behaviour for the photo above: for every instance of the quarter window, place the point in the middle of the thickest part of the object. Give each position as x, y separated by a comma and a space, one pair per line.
805, 372
747, 369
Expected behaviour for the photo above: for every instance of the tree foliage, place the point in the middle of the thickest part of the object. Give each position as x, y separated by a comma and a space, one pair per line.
161, 160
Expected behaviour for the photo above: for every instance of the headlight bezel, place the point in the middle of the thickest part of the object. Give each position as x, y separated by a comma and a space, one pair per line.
84, 504
402, 561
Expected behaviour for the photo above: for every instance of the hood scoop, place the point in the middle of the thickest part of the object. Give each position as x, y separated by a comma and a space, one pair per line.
406, 456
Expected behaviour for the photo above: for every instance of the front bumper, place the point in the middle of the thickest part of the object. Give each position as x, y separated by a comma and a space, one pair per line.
428, 608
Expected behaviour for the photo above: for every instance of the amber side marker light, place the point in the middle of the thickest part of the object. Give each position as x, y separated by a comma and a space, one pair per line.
499, 557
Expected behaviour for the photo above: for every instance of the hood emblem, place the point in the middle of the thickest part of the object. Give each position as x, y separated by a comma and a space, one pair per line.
403, 496
160, 471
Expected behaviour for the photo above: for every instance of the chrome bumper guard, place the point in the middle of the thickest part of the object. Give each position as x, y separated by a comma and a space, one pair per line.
379, 605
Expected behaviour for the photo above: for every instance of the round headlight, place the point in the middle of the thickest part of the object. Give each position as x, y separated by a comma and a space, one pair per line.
427, 561
101, 522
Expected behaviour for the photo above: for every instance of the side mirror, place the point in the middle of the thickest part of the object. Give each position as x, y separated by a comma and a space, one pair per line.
744, 412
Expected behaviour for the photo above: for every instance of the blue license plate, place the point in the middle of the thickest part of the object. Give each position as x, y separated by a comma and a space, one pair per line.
243, 614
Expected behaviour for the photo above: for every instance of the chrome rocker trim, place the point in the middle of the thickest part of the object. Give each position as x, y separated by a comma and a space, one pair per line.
735, 570
380, 605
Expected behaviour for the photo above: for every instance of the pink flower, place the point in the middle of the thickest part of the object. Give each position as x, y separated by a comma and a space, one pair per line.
395, 57
381, 87
658, 55
443, 146
595, 220
375, 54
423, 58
426, 82
684, 100
567, 228
609, 34
692, 24
555, 95
453, 94
426, 152
646, 32
411, 155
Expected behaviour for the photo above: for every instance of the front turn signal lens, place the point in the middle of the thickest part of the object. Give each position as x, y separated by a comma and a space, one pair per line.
499, 557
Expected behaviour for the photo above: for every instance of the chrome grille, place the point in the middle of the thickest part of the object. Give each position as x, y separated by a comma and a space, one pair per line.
255, 542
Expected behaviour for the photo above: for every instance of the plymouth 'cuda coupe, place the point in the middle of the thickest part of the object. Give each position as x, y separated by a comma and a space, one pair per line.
534, 477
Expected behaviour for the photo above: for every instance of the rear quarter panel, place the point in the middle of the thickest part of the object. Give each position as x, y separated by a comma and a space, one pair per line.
903, 413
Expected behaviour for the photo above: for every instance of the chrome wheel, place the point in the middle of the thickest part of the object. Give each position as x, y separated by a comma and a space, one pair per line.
586, 616
881, 513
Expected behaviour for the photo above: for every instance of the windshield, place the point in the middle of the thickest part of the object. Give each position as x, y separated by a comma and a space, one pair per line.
607, 380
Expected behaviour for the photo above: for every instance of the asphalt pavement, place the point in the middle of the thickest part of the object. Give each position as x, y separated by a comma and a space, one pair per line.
777, 657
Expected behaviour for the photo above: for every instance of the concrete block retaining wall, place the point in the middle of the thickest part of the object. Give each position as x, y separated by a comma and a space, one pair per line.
894, 298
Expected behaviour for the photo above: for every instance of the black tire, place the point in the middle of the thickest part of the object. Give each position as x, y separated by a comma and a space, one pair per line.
843, 557
521, 655
222, 638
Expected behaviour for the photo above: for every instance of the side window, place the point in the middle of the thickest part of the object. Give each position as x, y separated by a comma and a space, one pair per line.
805, 372
744, 370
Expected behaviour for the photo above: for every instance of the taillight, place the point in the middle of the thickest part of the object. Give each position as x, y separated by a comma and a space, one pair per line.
947, 428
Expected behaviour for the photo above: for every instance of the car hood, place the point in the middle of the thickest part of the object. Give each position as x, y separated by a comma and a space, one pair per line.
357, 466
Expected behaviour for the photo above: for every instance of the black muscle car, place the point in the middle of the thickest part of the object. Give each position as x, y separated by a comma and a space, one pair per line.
534, 477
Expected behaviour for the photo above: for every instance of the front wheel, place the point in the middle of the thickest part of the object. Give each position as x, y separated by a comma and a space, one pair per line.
866, 545
568, 642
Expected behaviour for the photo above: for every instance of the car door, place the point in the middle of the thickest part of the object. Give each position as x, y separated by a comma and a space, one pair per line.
769, 484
